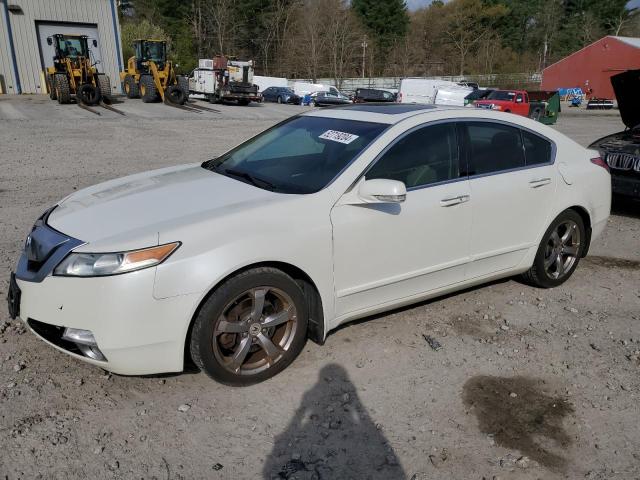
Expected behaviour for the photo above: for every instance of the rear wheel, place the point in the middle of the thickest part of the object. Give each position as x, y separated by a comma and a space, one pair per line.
251, 328
279, 99
131, 89
61, 83
183, 83
50, 87
148, 89
104, 85
243, 102
559, 252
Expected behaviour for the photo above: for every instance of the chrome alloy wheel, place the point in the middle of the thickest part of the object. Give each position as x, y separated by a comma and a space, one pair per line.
562, 249
255, 330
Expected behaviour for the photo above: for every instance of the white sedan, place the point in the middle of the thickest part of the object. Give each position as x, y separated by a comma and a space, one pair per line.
326, 217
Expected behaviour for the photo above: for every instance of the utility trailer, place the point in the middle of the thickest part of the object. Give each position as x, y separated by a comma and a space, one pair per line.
220, 79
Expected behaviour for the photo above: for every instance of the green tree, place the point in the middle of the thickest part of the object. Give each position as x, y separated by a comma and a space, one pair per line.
386, 20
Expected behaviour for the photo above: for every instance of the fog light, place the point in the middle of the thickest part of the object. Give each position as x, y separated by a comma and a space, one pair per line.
75, 335
85, 342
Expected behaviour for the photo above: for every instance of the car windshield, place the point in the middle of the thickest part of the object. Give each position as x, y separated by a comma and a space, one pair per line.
301, 155
501, 95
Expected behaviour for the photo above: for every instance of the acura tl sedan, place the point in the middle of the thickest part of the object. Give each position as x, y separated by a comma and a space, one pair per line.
327, 217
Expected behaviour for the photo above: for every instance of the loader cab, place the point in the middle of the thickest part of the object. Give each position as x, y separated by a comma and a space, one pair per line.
150, 50
70, 46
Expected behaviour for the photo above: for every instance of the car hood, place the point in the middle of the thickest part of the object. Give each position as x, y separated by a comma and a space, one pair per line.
626, 86
132, 211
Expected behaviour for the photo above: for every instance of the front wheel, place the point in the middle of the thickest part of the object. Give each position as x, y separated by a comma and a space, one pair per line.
559, 252
251, 328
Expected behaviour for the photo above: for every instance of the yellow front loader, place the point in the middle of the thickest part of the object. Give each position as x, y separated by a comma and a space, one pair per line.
151, 76
73, 74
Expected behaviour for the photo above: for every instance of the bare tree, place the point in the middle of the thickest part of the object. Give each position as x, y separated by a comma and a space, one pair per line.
468, 22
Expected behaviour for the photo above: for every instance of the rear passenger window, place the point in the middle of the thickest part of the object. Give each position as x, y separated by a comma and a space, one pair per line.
492, 147
425, 156
537, 150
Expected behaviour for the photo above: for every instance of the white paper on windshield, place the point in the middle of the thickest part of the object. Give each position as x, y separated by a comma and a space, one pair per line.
336, 136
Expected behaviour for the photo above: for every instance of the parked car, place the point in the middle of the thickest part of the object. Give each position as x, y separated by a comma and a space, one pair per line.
325, 99
280, 95
622, 150
326, 217
364, 95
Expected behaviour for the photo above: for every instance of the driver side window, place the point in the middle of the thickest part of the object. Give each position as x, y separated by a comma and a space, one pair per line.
425, 156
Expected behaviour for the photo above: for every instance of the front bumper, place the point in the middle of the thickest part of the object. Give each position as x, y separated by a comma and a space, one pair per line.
625, 185
137, 333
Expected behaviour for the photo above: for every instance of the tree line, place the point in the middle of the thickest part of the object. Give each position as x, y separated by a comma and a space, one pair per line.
339, 38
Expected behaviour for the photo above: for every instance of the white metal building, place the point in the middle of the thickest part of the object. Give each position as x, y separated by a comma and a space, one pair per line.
26, 24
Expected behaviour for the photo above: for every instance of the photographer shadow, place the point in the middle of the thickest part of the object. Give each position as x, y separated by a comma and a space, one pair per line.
332, 436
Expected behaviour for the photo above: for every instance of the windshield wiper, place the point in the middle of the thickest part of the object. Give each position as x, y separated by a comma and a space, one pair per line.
258, 182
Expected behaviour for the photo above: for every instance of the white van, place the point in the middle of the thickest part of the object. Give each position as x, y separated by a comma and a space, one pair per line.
303, 88
424, 90
266, 82
451, 95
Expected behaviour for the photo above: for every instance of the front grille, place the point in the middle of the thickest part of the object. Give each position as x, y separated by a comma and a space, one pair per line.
623, 161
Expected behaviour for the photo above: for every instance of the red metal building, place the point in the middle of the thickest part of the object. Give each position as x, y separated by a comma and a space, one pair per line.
593, 66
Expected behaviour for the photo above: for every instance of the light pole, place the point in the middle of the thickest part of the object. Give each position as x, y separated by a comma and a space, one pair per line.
364, 51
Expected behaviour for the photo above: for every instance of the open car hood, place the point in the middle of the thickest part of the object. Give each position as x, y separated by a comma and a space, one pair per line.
626, 86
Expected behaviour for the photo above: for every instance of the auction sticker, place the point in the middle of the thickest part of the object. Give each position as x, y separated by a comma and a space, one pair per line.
336, 136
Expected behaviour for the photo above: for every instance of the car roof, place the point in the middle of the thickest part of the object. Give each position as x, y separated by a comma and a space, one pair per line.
389, 113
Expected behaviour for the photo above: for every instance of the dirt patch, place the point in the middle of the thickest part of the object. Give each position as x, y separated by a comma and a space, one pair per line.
521, 416
611, 262
473, 325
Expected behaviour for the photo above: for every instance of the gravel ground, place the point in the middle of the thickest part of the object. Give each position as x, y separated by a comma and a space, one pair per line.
528, 383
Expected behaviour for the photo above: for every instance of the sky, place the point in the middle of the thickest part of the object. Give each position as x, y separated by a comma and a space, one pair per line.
416, 4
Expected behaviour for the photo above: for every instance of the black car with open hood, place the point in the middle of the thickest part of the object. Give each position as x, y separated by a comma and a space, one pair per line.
621, 150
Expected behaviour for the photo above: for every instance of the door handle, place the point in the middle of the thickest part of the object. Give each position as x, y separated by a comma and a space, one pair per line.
450, 202
539, 182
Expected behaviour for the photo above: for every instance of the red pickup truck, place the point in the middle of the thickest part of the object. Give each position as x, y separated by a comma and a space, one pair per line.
541, 105
514, 101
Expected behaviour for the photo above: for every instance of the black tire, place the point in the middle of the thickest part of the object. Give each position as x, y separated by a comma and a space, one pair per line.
536, 115
538, 275
88, 94
104, 86
183, 83
175, 95
279, 99
209, 317
243, 102
61, 85
131, 88
148, 89
50, 87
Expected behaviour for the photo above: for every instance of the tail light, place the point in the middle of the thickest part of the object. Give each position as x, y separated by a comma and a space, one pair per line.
600, 162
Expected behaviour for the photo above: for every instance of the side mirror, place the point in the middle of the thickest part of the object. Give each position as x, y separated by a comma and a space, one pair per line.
381, 190
49, 41
95, 42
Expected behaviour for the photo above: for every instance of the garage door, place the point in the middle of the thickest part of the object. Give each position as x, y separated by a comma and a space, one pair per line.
47, 29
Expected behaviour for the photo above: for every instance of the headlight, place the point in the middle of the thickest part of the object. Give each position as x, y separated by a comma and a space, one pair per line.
100, 264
